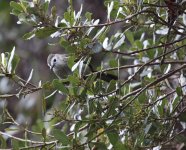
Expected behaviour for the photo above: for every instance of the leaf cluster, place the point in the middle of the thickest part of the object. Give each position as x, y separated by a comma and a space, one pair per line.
137, 112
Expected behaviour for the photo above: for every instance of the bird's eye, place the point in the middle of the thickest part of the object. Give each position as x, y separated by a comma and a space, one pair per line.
54, 60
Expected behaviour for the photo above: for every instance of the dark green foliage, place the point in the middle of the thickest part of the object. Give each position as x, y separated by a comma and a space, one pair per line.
140, 110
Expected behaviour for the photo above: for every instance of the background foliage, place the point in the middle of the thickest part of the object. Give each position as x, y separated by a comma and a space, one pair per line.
143, 43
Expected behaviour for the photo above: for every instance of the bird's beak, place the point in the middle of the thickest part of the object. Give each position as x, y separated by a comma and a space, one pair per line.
51, 67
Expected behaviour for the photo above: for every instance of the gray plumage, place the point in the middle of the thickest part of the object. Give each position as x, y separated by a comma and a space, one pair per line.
58, 63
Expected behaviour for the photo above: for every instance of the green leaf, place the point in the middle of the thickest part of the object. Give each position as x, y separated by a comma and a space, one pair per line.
151, 54
67, 46
88, 15
175, 102
111, 86
77, 126
97, 86
113, 137
15, 12
138, 44
182, 117
73, 90
61, 137
73, 79
16, 6
15, 144
44, 133
71, 61
15, 62
130, 37
64, 43
53, 12
58, 84
2, 142
113, 103
142, 98
113, 63
47, 85
120, 146
69, 17
45, 32
71, 49
29, 35
45, 6
179, 91
25, 4
161, 109
100, 146
62, 25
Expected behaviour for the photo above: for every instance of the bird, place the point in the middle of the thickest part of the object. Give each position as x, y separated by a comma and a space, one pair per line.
58, 63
